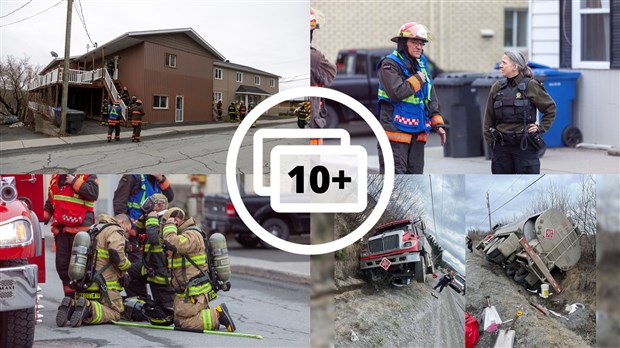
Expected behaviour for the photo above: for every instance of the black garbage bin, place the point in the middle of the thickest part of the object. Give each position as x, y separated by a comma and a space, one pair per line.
482, 87
75, 120
459, 107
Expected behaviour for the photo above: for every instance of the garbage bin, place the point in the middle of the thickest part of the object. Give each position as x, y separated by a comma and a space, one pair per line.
561, 86
459, 107
482, 87
75, 120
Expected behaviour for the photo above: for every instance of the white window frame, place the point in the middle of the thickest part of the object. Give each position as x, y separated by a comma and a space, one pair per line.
239, 77
576, 37
272, 82
218, 74
257, 80
218, 96
160, 107
173, 63
516, 28
179, 114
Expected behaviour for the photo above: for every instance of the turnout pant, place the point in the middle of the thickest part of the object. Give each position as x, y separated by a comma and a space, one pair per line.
102, 312
114, 126
510, 159
195, 313
137, 128
64, 244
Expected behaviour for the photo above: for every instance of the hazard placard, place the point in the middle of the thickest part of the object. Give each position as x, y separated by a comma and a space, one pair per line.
385, 264
549, 233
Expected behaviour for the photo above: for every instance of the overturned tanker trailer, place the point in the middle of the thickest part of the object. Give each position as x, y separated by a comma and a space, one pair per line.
530, 249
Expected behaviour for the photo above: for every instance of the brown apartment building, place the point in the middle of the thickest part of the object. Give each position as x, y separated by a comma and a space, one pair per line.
171, 71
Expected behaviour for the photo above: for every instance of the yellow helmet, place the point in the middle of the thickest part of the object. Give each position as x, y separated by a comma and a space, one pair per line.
174, 212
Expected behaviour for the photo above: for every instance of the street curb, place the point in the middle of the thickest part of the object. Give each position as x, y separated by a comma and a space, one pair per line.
270, 274
161, 131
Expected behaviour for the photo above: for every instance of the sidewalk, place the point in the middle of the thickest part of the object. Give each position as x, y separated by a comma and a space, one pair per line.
93, 132
292, 272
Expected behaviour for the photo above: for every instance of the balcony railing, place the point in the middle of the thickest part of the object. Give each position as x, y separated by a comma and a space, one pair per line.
75, 77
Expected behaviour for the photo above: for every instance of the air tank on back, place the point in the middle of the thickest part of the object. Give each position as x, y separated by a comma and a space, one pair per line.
79, 256
220, 256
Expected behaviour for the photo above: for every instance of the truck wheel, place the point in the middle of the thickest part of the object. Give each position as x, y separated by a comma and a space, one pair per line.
520, 278
493, 254
510, 272
420, 276
17, 328
247, 240
278, 228
499, 258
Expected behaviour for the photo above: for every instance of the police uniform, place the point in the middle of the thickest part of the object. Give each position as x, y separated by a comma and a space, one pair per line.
511, 107
407, 114
194, 289
71, 204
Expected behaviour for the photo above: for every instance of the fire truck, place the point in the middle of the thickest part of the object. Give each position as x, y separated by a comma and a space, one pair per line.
22, 257
397, 252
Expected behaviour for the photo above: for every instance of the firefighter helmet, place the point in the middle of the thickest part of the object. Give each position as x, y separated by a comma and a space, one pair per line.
138, 101
413, 30
174, 212
316, 19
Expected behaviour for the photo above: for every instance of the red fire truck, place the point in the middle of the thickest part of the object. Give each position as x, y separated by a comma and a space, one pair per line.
22, 257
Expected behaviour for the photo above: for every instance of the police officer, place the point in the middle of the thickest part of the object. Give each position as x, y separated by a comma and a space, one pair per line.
408, 104
510, 120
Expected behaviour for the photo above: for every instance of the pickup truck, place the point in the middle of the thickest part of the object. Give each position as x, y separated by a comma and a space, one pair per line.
357, 77
220, 216
397, 252
530, 249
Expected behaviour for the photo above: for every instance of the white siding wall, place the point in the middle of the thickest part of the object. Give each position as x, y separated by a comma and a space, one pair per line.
545, 32
597, 106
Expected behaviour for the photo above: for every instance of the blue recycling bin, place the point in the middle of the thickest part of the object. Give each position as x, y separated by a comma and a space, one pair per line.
562, 87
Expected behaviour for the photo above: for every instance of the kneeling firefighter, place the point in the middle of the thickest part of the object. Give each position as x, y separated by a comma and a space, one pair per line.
191, 276
97, 269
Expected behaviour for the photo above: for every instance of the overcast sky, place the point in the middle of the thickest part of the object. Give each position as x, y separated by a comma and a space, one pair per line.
502, 188
272, 36
448, 192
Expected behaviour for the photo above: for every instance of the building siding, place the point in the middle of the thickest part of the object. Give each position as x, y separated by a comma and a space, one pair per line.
545, 32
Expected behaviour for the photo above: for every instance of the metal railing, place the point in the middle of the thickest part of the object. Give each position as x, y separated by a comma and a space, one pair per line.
55, 76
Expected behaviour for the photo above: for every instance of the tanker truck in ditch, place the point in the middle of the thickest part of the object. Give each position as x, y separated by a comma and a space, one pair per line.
532, 248
397, 252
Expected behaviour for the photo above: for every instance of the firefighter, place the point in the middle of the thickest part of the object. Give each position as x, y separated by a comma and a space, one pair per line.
510, 118
105, 112
322, 73
130, 105
303, 114
219, 110
232, 112
408, 106
125, 95
114, 122
131, 193
98, 305
250, 107
190, 279
70, 208
137, 112
242, 111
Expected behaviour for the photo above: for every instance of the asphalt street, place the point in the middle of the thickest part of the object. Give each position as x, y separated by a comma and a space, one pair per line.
277, 310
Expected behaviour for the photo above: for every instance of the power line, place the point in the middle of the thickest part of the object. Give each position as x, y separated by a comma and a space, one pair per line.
80, 13
19, 8
36, 14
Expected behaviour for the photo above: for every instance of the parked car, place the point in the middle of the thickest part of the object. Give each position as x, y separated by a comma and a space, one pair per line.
221, 216
357, 77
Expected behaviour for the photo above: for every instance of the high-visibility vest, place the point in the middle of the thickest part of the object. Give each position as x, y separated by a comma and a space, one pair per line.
69, 207
145, 190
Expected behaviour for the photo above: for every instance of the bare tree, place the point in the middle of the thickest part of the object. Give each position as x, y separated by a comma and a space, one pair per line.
15, 73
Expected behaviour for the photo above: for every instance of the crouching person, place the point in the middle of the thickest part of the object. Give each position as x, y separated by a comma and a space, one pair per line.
99, 295
190, 275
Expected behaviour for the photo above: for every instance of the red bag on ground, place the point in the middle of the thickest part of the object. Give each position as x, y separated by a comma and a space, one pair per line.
471, 331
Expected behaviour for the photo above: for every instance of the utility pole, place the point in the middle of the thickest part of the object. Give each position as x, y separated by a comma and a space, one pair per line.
65, 72
489, 209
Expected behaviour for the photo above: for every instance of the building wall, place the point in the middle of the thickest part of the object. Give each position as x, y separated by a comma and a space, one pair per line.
456, 25
597, 106
191, 78
545, 32
228, 85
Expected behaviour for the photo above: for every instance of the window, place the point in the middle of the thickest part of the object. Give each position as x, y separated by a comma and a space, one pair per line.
515, 28
160, 102
218, 74
591, 34
272, 82
217, 96
239, 77
257, 80
171, 60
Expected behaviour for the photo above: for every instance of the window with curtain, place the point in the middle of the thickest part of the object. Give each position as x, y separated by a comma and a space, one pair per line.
595, 30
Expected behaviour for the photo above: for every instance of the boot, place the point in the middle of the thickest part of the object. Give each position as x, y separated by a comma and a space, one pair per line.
66, 308
81, 312
225, 318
